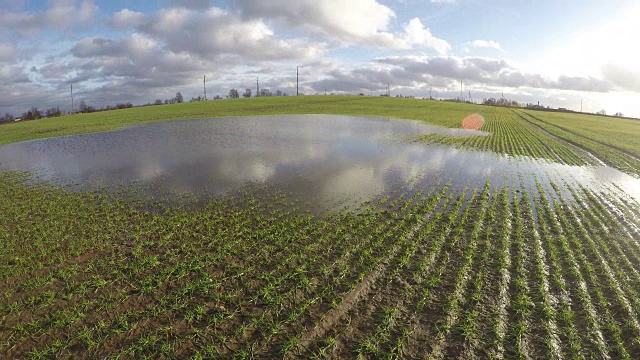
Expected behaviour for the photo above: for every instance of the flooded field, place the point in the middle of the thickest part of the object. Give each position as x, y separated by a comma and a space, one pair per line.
319, 159
419, 245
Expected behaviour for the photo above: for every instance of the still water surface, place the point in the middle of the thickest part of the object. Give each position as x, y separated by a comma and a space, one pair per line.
319, 159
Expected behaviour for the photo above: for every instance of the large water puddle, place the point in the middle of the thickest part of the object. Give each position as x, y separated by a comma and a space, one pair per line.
318, 159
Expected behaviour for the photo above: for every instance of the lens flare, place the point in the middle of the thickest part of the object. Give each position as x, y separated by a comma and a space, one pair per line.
473, 122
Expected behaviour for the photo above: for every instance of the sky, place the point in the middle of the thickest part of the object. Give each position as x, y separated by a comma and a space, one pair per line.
568, 53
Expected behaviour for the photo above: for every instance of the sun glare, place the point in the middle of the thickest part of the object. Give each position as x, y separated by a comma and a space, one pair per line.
473, 122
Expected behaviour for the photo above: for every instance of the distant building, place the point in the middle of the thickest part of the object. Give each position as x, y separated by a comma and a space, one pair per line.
18, 119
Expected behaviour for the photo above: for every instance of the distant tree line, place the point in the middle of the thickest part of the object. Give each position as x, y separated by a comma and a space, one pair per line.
34, 113
235, 94
84, 108
500, 102
6, 118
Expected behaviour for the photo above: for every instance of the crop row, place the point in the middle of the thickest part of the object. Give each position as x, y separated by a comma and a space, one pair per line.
551, 271
511, 133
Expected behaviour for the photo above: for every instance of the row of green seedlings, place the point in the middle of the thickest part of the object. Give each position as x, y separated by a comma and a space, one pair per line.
617, 246
389, 337
511, 135
365, 281
82, 288
188, 304
92, 273
444, 330
472, 257
429, 275
240, 327
529, 336
590, 141
623, 210
321, 346
41, 232
607, 153
174, 272
619, 293
563, 313
62, 231
428, 215
563, 151
514, 326
144, 342
545, 303
30, 291
274, 287
351, 273
606, 218
589, 299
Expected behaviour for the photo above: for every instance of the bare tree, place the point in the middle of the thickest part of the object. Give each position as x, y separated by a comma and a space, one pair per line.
265, 92
32, 114
179, 97
53, 112
247, 93
6, 118
158, 102
233, 94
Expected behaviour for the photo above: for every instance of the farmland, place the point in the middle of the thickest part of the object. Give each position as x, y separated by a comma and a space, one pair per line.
426, 269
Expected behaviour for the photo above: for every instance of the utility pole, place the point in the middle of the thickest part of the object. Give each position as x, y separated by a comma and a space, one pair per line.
388, 90
430, 97
204, 83
580, 105
257, 87
470, 98
297, 81
460, 90
72, 98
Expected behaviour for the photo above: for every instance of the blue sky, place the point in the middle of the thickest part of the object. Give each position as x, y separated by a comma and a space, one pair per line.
554, 52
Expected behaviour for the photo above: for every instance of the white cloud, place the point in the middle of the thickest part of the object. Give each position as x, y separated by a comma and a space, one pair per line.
126, 18
357, 22
418, 35
7, 52
192, 4
490, 44
215, 32
419, 71
149, 55
60, 15
444, 1
626, 77
169, 51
